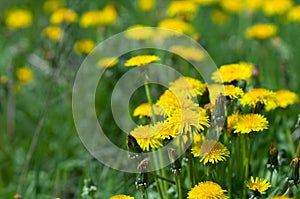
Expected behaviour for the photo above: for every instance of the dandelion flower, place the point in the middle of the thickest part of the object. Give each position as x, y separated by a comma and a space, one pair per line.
84, 46
148, 136
121, 197
285, 97
250, 123
53, 32
294, 14
207, 190
187, 87
253, 4
189, 53
231, 120
184, 8
91, 19
18, 18
145, 110
108, 15
232, 6
210, 151
63, 15
228, 91
141, 60
107, 62
261, 31
146, 5
276, 7
281, 197
24, 74
177, 25
258, 185
232, 72
259, 96
52, 5
139, 32
218, 17
205, 2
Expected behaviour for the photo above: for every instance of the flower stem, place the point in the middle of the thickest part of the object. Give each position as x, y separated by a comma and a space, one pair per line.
178, 185
245, 164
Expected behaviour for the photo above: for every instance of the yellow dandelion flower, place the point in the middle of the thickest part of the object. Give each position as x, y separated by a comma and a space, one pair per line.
261, 31
294, 14
232, 72
219, 17
139, 32
205, 2
109, 15
232, 6
168, 102
281, 197
148, 136
276, 7
177, 25
189, 53
207, 190
121, 197
53, 32
231, 120
186, 120
184, 8
259, 184
24, 74
50, 6
253, 4
18, 18
91, 19
210, 151
141, 60
84, 46
259, 96
229, 91
107, 62
187, 87
63, 15
285, 97
145, 110
146, 5
250, 123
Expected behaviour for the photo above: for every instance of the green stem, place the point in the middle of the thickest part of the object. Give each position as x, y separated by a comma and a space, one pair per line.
148, 94
271, 176
178, 185
245, 164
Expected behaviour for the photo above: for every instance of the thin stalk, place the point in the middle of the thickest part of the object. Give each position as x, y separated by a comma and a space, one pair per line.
11, 106
271, 176
290, 140
191, 170
178, 185
145, 194
245, 164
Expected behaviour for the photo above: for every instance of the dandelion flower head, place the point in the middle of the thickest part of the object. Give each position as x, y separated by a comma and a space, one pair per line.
248, 123
146, 5
276, 7
141, 60
84, 46
52, 5
207, 190
53, 32
259, 95
139, 32
18, 18
176, 25
63, 15
261, 31
258, 184
189, 53
285, 97
107, 62
24, 74
121, 197
183, 8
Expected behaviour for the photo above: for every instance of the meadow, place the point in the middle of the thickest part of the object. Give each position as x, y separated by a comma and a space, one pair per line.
209, 107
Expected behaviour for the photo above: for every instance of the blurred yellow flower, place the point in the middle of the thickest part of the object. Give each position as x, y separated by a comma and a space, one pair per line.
189, 53
276, 7
63, 15
177, 25
207, 190
210, 151
253, 4
187, 87
139, 32
219, 17
91, 19
258, 96
294, 14
84, 46
248, 123
146, 5
229, 91
231, 120
141, 60
107, 62
284, 98
53, 32
232, 72
261, 31
259, 184
24, 74
205, 2
145, 110
52, 5
183, 8
121, 197
109, 15
232, 6
18, 18
281, 197
148, 136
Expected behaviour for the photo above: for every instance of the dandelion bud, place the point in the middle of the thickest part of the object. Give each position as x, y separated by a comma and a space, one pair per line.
175, 166
273, 157
295, 170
